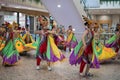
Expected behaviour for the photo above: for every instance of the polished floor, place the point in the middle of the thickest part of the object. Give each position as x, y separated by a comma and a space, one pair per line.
26, 70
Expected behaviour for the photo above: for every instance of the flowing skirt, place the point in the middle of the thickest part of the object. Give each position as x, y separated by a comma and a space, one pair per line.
71, 41
103, 52
48, 50
78, 54
9, 54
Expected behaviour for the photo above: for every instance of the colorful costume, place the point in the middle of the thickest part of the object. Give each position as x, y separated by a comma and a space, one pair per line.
9, 54
2, 38
18, 42
48, 50
27, 38
71, 40
58, 39
102, 52
34, 45
114, 42
86, 56
2, 43
29, 42
19, 45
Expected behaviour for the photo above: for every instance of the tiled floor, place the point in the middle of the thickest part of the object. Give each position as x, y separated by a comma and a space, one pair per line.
26, 70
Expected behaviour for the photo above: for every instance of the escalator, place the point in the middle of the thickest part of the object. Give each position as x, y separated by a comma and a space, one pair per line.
66, 13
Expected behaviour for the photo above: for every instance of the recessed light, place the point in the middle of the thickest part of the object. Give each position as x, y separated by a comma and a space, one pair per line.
73, 29
58, 5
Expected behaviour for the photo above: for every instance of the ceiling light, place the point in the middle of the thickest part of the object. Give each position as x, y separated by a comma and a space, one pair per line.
20, 14
73, 29
58, 5
15, 14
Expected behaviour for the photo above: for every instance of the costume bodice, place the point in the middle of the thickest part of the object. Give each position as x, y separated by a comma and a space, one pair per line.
89, 37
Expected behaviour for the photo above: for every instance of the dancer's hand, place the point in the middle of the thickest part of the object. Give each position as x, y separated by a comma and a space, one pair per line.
46, 32
84, 46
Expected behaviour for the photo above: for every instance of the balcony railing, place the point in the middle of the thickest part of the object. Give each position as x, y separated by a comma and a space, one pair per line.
109, 3
83, 3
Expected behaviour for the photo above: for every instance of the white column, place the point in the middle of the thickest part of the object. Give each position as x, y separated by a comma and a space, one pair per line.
1, 19
115, 20
35, 23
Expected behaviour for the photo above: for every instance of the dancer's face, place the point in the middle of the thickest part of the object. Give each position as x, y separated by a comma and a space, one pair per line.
90, 26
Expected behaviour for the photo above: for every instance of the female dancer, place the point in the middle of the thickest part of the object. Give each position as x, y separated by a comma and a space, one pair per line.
83, 52
71, 41
103, 53
47, 48
114, 41
9, 53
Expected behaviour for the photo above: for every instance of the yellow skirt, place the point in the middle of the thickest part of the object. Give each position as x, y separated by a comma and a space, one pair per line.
107, 53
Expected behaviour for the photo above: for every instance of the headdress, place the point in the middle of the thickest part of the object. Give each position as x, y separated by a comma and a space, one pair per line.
43, 21
10, 26
87, 21
2, 29
96, 25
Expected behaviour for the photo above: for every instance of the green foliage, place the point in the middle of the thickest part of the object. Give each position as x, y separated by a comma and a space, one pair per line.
37, 1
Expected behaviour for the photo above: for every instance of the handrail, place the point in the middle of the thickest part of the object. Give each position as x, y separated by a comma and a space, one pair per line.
83, 2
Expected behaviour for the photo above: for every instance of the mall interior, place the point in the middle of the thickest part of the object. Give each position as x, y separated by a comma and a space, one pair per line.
23, 12
22, 23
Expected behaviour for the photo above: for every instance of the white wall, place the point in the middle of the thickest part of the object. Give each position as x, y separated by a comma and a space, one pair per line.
103, 17
1, 18
115, 20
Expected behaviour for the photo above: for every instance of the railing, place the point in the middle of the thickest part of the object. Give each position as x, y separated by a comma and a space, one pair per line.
83, 3
109, 3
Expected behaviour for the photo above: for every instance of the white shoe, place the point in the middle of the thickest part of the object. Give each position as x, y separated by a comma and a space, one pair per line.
49, 68
81, 74
38, 67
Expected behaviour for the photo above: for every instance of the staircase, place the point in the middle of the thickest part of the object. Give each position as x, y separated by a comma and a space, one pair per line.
65, 13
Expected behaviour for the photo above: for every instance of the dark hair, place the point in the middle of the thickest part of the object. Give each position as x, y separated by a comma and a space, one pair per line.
26, 26
86, 23
3, 24
117, 30
70, 26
